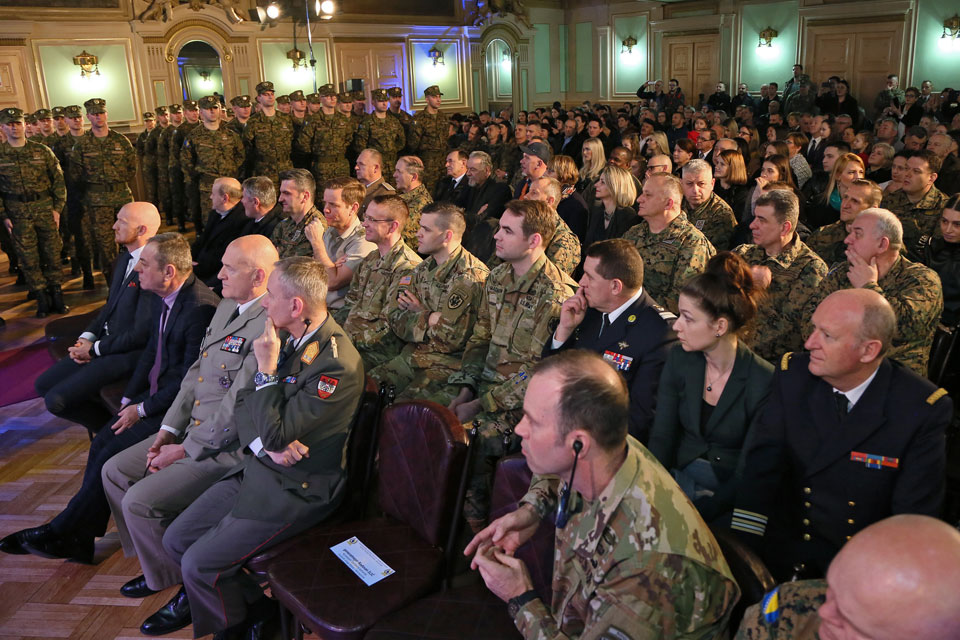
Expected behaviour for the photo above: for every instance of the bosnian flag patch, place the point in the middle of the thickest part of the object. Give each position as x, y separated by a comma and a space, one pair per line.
326, 386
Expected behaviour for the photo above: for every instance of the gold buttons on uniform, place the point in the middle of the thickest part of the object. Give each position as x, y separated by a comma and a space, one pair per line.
200, 379
196, 422
806, 504
806, 537
196, 403
305, 485
851, 504
848, 537
806, 522
850, 521
204, 354
806, 490
223, 366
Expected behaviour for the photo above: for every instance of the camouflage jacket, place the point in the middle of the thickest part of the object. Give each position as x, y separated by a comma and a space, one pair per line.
637, 562
290, 240
326, 137
796, 274
455, 289
30, 170
375, 285
789, 612
177, 139
670, 257
386, 135
62, 150
714, 219
236, 126
109, 160
428, 133
416, 200
268, 143
151, 145
141, 144
563, 250
914, 292
210, 154
827, 242
919, 220
517, 318
163, 147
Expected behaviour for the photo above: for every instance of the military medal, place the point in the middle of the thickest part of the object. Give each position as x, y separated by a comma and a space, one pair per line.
619, 361
290, 379
225, 382
874, 461
233, 344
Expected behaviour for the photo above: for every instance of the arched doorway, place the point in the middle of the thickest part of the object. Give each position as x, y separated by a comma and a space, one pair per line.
498, 74
198, 67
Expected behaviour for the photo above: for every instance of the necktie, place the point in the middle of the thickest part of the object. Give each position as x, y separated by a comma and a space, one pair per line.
234, 315
604, 324
842, 403
154, 375
129, 267
285, 353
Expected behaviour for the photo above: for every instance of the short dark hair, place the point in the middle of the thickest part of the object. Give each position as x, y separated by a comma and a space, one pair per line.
618, 259
933, 160
725, 289
301, 178
537, 216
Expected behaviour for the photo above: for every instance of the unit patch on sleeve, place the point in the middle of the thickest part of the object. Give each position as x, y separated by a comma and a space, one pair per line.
326, 386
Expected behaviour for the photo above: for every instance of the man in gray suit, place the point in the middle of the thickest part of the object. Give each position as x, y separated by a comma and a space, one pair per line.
150, 483
295, 421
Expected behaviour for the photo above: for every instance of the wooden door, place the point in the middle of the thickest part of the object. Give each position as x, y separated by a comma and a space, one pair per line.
694, 61
14, 92
378, 65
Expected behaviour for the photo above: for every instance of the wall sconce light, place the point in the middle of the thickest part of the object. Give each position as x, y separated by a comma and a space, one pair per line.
205, 79
298, 58
88, 64
628, 45
951, 27
436, 55
766, 37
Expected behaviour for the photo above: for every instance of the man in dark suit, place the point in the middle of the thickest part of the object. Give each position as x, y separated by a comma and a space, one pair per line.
453, 187
612, 315
572, 142
369, 167
848, 438
295, 421
260, 206
109, 348
225, 223
181, 312
484, 203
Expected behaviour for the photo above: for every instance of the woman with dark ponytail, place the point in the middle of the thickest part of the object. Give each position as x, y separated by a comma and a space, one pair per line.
713, 387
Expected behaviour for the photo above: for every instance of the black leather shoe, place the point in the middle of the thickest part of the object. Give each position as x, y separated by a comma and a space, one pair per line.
267, 629
137, 588
62, 547
13, 543
173, 616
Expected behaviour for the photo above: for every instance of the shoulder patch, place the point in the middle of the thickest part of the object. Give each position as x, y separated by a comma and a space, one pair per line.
770, 606
936, 395
326, 386
310, 353
785, 361
455, 301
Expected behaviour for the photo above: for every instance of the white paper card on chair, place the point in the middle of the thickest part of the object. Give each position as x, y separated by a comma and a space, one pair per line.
362, 561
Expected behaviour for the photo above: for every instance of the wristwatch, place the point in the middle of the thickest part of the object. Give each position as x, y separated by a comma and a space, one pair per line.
515, 604
264, 378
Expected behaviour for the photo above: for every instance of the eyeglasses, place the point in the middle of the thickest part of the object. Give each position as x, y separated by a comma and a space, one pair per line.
654, 168
746, 133
369, 219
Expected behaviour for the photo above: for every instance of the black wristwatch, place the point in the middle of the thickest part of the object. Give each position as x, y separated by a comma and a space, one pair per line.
515, 604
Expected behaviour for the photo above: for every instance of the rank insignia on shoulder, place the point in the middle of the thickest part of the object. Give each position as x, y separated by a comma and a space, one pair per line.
405, 281
326, 386
233, 344
310, 353
454, 301
770, 606
936, 395
619, 361
785, 361
874, 461
290, 379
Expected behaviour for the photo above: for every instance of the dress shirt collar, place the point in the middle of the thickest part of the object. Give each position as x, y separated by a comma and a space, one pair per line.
854, 394
241, 309
613, 315
134, 259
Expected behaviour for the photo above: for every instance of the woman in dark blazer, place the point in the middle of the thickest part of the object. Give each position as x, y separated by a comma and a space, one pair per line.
713, 387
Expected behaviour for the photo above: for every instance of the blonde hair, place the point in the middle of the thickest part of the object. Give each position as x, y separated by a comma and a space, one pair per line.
598, 159
620, 184
839, 168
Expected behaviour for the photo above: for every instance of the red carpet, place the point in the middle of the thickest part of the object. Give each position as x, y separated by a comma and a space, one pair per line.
18, 370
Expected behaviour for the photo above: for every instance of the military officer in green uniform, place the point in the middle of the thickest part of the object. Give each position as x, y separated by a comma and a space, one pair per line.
314, 103
32, 195
164, 195
148, 164
45, 127
326, 137
268, 137
298, 117
283, 104
32, 128
428, 136
72, 225
377, 130
632, 557
59, 121
102, 162
178, 193
395, 94
242, 107
435, 311
828, 240
210, 151
408, 176
706, 210
346, 103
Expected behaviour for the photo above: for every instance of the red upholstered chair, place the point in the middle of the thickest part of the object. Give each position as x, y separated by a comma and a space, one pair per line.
423, 453
471, 612
748, 570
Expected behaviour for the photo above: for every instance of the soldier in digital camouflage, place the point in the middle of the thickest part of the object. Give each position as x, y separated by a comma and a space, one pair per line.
395, 94
408, 176
519, 313
828, 240
787, 269
71, 223
706, 210
918, 203
377, 282
379, 131
435, 311
268, 137
633, 558
296, 195
242, 108
149, 181
163, 162
673, 250
178, 192
428, 136
326, 137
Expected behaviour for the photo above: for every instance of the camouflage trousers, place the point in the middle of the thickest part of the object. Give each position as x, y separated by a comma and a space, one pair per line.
324, 170
98, 222
433, 168
36, 241
149, 173
72, 232
377, 352
415, 383
495, 439
163, 196
178, 197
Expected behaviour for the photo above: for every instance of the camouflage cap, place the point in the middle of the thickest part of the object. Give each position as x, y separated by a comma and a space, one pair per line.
190, 105
395, 92
345, 97
209, 102
242, 101
313, 98
284, 99
264, 86
298, 95
57, 112
72, 111
358, 96
161, 110
30, 118
11, 114
327, 90
95, 105
149, 115
43, 114
176, 108
229, 112
379, 95
432, 90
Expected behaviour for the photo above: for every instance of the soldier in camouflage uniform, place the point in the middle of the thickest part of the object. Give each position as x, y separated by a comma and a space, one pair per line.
706, 210
209, 152
913, 290
296, 195
407, 176
346, 101
242, 107
45, 127
564, 248
268, 137
789, 612
428, 136
315, 104
71, 223
673, 250
377, 282
632, 557
827, 241
436, 310
283, 104
102, 162
32, 195
59, 121
32, 128
395, 94
326, 137
148, 165
178, 191
787, 268
298, 117
519, 313
379, 131
919, 203
164, 194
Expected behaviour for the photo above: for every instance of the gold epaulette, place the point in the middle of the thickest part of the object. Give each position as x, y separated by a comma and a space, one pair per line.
785, 361
936, 395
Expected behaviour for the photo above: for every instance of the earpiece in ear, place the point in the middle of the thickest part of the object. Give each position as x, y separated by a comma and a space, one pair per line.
577, 446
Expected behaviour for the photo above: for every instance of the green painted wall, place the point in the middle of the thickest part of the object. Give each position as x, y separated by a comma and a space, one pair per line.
443, 75
936, 59
759, 65
542, 59
563, 53
630, 70
279, 69
583, 32
65, 86
197, 87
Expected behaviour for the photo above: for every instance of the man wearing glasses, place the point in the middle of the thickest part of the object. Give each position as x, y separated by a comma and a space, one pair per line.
621, 569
